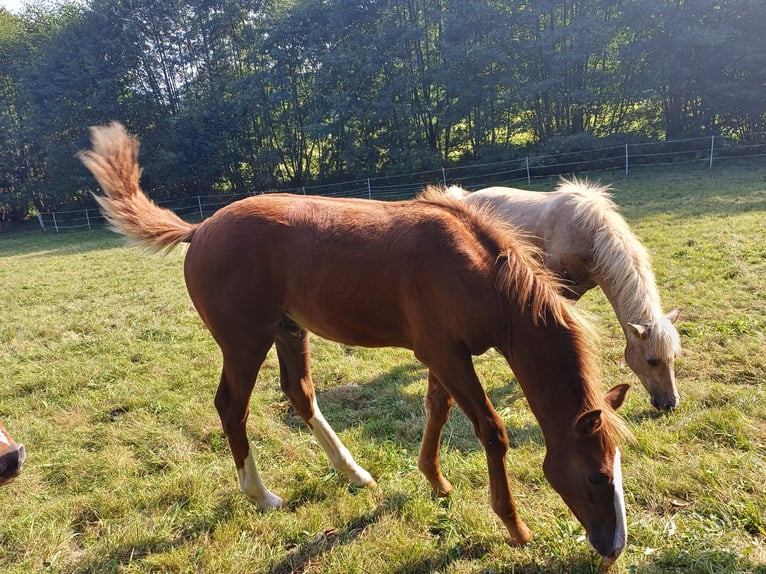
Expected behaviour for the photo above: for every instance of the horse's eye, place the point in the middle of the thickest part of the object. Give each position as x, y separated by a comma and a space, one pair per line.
653, 362
599, 478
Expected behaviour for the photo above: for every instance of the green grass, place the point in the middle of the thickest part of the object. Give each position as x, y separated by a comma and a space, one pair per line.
108, 378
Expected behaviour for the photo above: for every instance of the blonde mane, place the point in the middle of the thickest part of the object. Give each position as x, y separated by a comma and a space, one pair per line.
623, 261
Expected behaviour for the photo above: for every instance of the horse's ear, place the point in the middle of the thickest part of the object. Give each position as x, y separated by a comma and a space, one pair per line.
588, 423
615, 396
639, 331
673, 315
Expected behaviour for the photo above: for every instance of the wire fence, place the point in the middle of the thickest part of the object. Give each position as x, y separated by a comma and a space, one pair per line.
705, 151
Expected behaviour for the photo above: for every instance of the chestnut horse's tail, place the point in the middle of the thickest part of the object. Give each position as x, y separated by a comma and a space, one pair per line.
114, 162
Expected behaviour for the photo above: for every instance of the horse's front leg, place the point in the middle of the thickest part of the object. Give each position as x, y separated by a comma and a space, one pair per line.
295, 378
456, 373
438, 403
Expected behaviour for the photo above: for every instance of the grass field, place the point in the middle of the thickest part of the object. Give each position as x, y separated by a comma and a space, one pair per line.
108, 378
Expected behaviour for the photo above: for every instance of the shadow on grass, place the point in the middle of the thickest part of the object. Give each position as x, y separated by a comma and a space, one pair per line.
385, 412
303, 554
648, 414
122, 556
39, 243
300, 556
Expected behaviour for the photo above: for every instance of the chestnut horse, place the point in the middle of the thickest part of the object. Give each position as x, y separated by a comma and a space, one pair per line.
428, 275
586, 242
12, 456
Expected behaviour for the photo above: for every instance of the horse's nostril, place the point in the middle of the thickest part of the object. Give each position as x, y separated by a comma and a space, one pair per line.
22, 454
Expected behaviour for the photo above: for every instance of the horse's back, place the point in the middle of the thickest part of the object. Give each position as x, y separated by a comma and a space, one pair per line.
356, 271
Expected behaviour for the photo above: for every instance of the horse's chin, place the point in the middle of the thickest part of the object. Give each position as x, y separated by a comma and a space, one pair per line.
608, 554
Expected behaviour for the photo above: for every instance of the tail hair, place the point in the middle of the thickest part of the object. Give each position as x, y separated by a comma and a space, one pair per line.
114, 163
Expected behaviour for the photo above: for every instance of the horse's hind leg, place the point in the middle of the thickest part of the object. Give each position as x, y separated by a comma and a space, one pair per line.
295, 377
438, 403
232, 401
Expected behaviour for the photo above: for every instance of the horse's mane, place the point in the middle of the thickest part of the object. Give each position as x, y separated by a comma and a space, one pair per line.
536, 288
523, 275
622, 260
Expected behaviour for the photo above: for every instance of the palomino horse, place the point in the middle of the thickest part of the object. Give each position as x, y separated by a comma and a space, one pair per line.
586, 242
429, 275
12, 456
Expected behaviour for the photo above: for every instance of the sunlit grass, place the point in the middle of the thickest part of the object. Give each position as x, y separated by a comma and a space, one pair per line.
108, 378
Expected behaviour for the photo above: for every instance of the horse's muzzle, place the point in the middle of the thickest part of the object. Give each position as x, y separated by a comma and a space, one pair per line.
665, 401
11, 462
607, 544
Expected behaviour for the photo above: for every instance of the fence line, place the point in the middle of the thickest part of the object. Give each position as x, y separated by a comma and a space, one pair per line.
625, 157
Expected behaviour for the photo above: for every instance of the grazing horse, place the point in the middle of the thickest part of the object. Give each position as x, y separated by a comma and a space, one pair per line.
586, 242
12, 456
429, 275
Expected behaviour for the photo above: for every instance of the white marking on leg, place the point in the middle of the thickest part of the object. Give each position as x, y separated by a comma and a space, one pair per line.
251, 485
621, 532
339, 456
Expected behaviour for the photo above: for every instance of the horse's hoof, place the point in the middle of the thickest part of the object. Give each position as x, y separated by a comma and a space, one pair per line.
269, 501
363, 478
521, 537
441, 488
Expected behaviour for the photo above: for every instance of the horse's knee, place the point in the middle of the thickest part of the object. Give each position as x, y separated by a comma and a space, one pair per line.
494, 439
438, 404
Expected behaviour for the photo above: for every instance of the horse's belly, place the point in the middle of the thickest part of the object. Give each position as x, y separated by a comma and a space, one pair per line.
354, 328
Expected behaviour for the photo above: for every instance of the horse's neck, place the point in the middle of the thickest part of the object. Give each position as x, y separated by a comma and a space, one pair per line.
622, 268
633, 297
553, 380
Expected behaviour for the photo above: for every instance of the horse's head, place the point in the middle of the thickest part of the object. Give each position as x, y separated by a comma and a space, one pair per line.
583, 466
650, 352
12, 456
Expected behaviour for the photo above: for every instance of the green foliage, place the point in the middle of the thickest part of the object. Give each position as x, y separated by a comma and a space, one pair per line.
250, 96
108, 377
